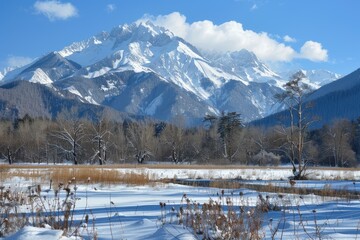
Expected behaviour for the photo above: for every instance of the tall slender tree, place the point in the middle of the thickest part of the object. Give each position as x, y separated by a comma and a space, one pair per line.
294, 98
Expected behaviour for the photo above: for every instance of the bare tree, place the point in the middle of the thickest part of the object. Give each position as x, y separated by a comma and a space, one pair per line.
256, 148
294, 98
100, 137
173, 142
11, 143
119, 148
70, 135
140, 138
337, 143
33, 134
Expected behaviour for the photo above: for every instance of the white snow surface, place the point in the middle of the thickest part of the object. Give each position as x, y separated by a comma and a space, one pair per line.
133, 212
39, 76
33, 233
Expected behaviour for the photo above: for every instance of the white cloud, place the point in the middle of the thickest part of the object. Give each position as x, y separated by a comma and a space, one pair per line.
254, 7
17, 61
314, 51
229, 36
110, 7
287, 38
55, 10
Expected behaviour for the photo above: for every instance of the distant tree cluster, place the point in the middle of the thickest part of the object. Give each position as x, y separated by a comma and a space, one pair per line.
221, 140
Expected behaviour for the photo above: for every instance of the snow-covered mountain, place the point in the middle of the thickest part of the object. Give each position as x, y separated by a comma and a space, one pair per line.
247, 66
4, 72
314, 78
144, 69
144, 47
45, 70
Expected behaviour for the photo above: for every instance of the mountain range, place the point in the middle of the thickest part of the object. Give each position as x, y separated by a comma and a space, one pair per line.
145, 70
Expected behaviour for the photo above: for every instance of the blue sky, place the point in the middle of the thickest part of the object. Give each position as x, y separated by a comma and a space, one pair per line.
286, 34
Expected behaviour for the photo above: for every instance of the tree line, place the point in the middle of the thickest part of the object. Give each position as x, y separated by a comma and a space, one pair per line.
222, 139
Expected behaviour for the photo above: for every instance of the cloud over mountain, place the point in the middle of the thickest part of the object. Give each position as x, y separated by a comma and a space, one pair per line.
232, 36
18, 61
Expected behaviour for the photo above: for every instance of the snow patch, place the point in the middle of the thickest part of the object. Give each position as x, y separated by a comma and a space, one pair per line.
38, 76
98, 73
91, 100
152, 107
74, 91
187, 51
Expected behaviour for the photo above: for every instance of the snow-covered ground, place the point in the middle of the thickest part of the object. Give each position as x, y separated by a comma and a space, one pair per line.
120, 211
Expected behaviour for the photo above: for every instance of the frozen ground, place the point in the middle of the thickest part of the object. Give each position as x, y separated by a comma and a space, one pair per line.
134, 212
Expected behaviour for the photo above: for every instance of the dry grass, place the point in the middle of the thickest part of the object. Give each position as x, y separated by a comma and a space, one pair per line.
167, 166
327, 191
225, 184
101, 175
224, 218
82, 174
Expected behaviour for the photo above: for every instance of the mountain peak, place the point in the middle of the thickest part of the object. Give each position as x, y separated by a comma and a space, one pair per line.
245, 57
149, 27
246, 65
139, 31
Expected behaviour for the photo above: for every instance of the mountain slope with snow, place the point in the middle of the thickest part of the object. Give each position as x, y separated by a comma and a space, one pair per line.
19, 98
246, 65
144, 69
144, 47
314, 78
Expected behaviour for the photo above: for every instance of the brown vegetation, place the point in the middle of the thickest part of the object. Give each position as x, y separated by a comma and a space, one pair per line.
103, 142
82, 174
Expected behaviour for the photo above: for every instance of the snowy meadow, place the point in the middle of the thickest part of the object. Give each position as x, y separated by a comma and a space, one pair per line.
147, 202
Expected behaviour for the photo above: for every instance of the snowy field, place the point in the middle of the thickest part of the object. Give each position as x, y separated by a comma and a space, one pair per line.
170, 211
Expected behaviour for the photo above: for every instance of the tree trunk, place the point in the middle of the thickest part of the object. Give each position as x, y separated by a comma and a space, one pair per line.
9, 157
225, 149
74, 153
99, 153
